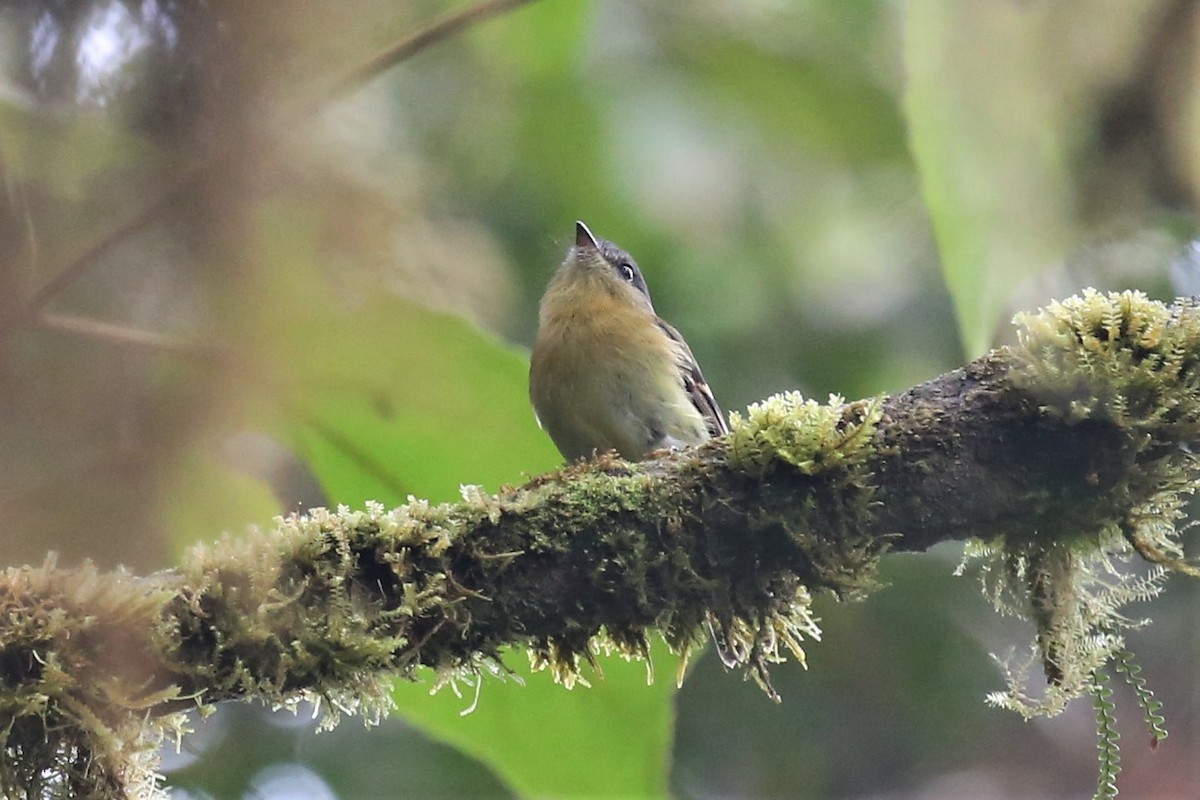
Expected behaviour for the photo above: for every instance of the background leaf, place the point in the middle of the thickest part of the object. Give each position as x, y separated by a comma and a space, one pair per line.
987, 131
611, 740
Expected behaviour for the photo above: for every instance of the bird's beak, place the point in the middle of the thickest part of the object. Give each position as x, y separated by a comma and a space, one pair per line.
583, 237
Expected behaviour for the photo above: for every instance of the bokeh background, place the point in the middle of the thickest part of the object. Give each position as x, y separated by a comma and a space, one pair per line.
244, 270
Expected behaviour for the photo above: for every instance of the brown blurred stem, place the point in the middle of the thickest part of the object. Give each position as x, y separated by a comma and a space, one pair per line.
123, 336
144, 216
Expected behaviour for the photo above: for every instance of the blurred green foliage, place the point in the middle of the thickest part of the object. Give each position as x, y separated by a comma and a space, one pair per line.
613, 739
337, 304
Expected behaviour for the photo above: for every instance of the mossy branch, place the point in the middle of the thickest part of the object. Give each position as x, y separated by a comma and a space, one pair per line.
1076, 441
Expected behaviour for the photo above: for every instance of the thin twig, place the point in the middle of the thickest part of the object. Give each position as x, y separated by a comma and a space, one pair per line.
439, 29
355, 454
121, 335
148, 213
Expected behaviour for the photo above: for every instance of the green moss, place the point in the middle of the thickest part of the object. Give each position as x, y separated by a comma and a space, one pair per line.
1133, 364
1116, 357
808, 460
811, 437
72, 723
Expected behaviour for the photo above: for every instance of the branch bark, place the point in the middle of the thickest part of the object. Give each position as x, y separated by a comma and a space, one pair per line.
1080, 434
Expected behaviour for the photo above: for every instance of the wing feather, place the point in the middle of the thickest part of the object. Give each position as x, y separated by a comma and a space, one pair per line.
693, 381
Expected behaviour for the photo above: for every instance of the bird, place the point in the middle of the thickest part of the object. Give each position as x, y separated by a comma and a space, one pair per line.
606, 372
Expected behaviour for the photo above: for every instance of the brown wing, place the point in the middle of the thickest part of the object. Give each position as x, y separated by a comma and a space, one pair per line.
697, 388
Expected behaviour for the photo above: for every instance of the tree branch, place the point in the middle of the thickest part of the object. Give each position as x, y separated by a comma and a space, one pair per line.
1076, 441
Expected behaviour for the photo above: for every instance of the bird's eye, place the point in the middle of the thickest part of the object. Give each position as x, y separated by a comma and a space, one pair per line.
627, 272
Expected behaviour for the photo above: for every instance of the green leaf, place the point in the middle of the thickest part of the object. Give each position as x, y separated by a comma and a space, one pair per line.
611, 740
392, 399
190, 513
989, 130
382, 397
